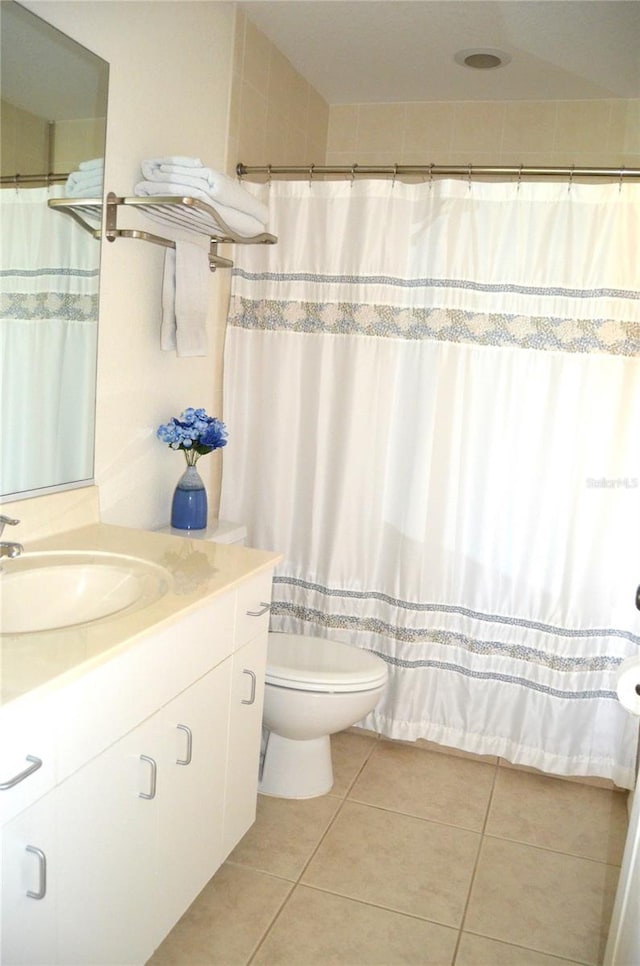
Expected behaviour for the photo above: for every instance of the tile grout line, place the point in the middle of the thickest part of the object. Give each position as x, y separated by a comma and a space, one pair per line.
297, 882
531, 949
475, 866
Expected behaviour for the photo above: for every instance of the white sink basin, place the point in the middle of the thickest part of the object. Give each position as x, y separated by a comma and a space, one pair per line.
50, 590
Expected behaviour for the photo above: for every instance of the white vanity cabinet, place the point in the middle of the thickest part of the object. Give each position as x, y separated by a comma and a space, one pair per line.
151, 805
130, 837
247, 698
28, 925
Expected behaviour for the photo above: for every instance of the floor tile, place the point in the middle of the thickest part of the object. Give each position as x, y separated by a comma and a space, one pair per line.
320, 929
554, 814
478, 951
397, 861
349, 752
285, 834
426, 784
226, 922
554, 903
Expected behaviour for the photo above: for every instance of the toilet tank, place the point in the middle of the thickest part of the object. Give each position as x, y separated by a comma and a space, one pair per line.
219, 531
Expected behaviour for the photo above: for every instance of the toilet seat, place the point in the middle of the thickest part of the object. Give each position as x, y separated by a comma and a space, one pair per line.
316, 664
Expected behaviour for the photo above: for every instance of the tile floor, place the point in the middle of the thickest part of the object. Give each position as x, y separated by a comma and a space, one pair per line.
416, 857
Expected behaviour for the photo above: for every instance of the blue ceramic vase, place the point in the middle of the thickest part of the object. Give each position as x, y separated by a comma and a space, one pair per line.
189, 506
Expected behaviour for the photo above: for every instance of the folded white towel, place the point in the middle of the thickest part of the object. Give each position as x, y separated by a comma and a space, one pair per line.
90, 165
168, 323
220, 186
192, 299
84, 184
176, 159
238, 222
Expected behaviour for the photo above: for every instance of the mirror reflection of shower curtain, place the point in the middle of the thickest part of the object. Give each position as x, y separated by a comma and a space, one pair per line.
433, 398
49, 272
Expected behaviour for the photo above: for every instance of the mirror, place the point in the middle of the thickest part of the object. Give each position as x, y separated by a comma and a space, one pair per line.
53, 129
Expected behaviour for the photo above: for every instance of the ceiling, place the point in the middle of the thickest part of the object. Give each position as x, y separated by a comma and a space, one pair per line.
45, 72
369, 51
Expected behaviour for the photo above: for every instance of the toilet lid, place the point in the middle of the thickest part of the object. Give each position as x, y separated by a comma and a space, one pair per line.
315, 664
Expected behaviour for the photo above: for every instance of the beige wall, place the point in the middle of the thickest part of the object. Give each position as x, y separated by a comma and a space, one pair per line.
169, 91
603, 132
26, 148
277, 117
24, 141
76, 141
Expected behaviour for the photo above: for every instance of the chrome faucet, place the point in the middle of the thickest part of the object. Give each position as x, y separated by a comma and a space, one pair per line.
7, 547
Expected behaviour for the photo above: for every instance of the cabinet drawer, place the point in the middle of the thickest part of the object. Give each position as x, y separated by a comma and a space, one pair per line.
26, 738
252, 607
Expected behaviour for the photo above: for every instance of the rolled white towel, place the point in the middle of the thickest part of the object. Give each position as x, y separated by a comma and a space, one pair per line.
220, 186
239, 222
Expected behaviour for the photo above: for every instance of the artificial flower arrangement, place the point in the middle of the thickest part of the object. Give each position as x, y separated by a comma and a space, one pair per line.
195, 433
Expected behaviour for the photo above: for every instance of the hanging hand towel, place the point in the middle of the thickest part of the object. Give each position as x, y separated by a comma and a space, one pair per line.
192, 299
168, 324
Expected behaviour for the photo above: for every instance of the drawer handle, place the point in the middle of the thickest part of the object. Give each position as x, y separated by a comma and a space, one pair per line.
253, 687
188, 733
42, 867
154, 772
258, 613
36, 763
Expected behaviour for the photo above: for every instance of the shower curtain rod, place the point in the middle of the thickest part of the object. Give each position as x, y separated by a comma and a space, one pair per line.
17, 179
456, 170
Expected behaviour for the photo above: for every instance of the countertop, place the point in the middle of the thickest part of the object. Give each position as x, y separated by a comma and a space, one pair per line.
33, 663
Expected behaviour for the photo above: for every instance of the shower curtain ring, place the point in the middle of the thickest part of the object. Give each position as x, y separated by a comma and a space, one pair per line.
395, 175
519, 178
569, 186
269, 175
311, 174
431, 176
353, 173
469, 178
621, 176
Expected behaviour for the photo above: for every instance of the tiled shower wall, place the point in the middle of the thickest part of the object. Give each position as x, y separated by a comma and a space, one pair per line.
277, 117
593, 132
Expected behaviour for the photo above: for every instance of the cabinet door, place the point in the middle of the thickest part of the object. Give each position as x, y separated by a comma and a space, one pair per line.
107, 843
245, 729
191, 791
29, 886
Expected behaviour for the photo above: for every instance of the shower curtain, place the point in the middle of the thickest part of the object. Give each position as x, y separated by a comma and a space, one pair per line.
49, 270
433, 400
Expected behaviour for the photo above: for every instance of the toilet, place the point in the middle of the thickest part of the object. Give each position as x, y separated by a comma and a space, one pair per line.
313, 688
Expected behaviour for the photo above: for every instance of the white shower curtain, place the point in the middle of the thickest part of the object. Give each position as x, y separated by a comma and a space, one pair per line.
433, 401
49, 268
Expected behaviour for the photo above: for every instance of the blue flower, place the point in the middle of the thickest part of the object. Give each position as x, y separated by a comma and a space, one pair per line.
194, 433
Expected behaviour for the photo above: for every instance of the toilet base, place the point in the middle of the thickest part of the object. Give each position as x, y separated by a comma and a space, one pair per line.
296, 769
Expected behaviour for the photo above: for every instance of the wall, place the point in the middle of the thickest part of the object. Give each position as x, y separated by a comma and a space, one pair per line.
277, 117
25, 141
76, 141
169, 93
604, 132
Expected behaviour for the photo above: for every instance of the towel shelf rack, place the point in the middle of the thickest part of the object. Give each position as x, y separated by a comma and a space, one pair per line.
184, 212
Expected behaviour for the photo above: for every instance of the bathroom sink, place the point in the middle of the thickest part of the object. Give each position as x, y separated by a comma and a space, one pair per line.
50, 590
